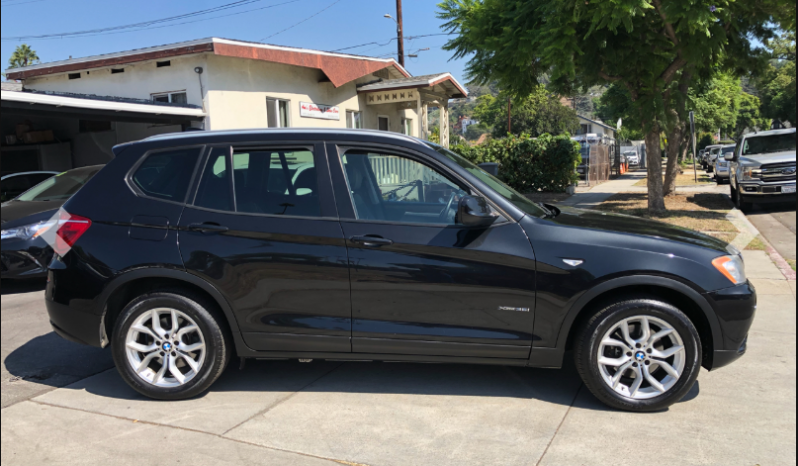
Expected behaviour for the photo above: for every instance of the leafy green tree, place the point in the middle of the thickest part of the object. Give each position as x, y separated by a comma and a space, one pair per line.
749, 117
777, 92
23, 56
538, 113
654, 48
716, 103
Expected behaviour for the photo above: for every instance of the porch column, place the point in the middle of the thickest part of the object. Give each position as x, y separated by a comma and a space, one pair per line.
420, 111
444, 125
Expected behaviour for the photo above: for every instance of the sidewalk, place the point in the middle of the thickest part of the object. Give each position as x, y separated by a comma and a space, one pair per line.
587, 198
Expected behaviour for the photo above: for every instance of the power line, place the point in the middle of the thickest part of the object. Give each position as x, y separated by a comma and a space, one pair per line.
378, 44
141, 25
304, 20
21, 3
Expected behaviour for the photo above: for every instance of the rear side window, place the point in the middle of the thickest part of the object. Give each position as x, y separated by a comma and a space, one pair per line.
276, 182
214, 190
167, 175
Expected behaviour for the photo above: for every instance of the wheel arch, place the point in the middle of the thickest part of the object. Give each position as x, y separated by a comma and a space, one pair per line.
669, 290
132, 284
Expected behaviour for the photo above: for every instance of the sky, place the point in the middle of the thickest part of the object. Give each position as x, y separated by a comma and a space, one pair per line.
337, 24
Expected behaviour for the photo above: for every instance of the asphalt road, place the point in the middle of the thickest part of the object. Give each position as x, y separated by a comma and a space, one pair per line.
64, 405
776, 222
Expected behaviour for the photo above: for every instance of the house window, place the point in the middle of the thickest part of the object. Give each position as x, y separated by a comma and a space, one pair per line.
384, 123
171, 97
407, 126
587, 129
354, 120
277, 113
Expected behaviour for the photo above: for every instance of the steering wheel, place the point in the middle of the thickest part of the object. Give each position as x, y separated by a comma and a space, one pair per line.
445, 213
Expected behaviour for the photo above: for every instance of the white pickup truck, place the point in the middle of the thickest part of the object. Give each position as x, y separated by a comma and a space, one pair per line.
763, 168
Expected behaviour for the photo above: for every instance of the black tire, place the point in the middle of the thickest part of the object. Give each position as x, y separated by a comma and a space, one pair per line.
207, 318
741, 204
592, 332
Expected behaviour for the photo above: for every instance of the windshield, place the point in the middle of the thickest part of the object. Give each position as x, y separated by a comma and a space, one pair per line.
60, 187
769, 144
513, 196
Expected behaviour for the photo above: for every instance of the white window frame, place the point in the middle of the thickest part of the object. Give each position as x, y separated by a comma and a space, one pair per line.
169, 95
288, 119
350, 119
387, 118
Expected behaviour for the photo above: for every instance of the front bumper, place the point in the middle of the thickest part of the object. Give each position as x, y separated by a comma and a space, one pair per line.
735, 308
760, 192
25, 259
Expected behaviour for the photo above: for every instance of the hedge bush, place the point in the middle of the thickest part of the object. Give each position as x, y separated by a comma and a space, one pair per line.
528, 165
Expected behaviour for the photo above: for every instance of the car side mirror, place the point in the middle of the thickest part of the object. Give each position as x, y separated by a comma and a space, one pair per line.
730, 157
475, 212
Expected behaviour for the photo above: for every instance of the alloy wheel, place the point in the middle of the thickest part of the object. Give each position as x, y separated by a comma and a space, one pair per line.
641, 357
165, 347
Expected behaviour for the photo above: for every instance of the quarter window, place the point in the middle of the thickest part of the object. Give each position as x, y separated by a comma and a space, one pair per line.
399, 189
166, 175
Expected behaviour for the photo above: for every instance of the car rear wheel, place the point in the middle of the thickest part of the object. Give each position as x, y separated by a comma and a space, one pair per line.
169, 345
639, 355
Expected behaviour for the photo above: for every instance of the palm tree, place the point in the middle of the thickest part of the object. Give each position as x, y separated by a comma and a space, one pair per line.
23, 56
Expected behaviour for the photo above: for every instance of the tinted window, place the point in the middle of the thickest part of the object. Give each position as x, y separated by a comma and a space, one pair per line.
276, 182
60, 187
214, 190
399, 189
166, 175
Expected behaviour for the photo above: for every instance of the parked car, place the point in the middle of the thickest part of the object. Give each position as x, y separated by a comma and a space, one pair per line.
763, 168
701, 159
15, 184
182, 271
722, 166
632, 158
26, 219
712, 157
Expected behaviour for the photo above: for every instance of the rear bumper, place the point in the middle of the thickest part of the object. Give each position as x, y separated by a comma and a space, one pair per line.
75, 320
735, 308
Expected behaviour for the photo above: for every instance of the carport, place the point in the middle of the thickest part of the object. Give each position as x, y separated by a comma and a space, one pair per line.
58, 131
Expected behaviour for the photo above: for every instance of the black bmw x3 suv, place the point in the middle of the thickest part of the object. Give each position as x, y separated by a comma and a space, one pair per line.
188, 250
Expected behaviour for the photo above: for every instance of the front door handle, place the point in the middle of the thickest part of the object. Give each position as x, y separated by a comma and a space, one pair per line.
208, 228
371, 241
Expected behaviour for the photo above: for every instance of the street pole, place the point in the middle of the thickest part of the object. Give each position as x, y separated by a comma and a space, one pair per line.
400, 32
695, 154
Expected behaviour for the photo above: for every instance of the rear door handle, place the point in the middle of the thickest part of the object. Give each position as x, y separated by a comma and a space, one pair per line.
371, 241
207, 228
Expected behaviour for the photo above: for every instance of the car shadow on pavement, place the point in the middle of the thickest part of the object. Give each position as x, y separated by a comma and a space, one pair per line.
423, 380
52, 361
12, 287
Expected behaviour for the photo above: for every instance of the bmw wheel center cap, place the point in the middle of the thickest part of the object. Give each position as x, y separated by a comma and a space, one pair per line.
640, 356
167, 346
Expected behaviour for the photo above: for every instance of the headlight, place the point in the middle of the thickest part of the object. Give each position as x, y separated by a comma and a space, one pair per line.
28, 231
732, 267
751, 174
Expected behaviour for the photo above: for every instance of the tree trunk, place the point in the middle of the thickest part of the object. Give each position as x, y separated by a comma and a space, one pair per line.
674, 147
656, 200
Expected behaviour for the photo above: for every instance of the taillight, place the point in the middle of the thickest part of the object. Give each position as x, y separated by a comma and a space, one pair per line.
70, 229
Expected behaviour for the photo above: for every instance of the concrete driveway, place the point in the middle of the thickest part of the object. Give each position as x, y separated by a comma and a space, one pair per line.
380, 414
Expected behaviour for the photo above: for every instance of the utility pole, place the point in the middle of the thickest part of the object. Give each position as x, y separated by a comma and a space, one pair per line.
400, 32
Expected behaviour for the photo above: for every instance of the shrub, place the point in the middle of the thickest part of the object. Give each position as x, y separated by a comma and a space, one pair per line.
547, 163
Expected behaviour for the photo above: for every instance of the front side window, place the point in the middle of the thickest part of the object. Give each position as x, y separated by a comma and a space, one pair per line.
166, 175
514, 197
277, 113
394, 188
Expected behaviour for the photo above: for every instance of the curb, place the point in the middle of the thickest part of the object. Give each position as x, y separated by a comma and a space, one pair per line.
739, 219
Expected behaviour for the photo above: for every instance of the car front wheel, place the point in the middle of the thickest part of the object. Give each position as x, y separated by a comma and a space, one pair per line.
639, 355
169, 345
